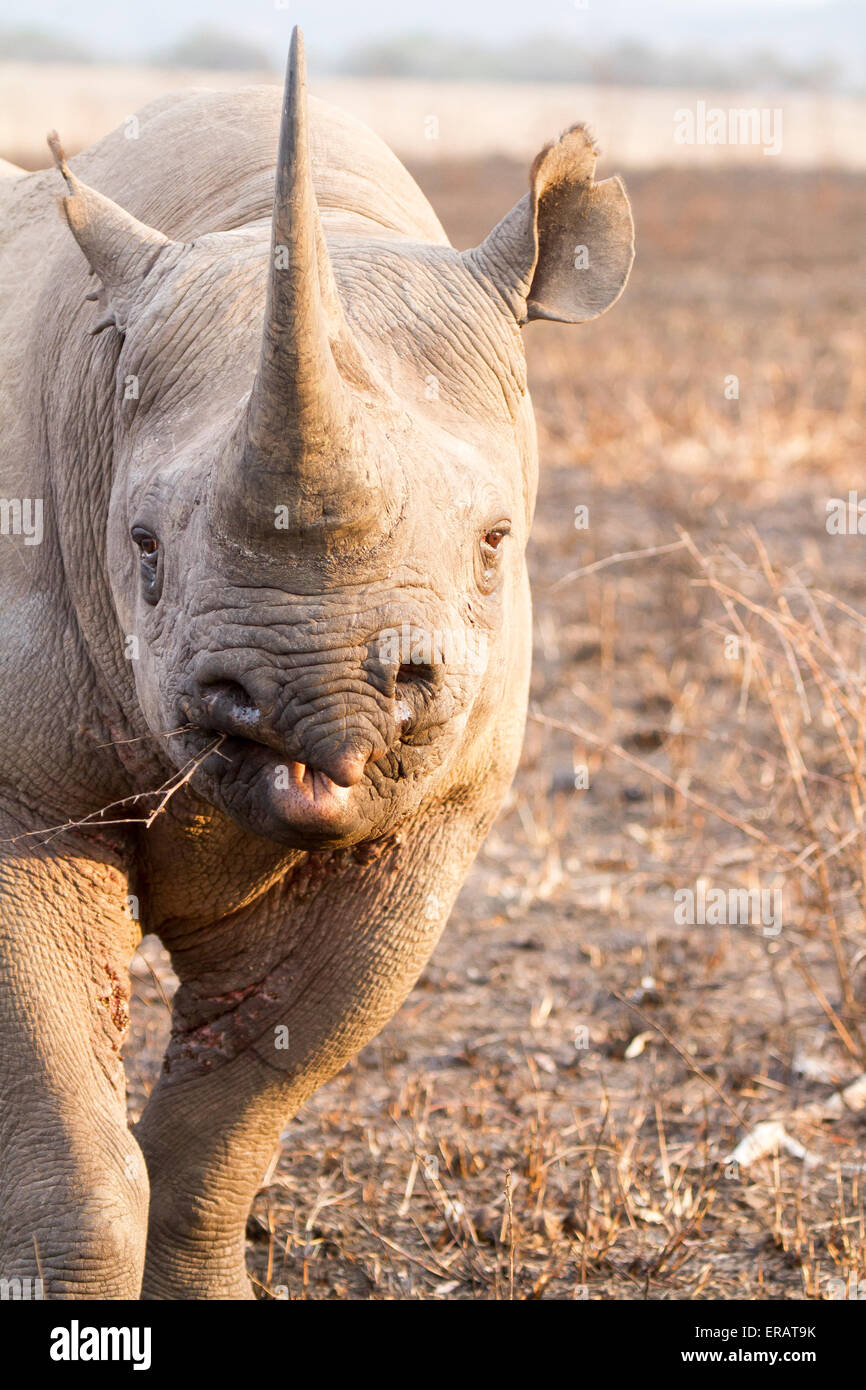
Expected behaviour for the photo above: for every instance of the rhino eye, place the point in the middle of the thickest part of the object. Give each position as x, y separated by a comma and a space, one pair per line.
492, 540
147, 544
149, 561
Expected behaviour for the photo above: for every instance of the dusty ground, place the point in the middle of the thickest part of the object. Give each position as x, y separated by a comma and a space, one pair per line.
552, 1112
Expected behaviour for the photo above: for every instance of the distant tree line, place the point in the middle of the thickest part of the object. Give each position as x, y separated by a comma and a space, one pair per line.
200, 48
536, 58
550, 58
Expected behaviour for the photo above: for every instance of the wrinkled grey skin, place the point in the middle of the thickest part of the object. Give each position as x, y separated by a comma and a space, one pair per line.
302, 872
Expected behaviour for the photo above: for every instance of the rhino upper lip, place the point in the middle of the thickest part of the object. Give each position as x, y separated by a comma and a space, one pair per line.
310, 798
242, 730
306, 779
243, 723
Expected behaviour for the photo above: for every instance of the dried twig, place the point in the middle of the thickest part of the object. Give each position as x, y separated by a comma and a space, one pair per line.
166, 792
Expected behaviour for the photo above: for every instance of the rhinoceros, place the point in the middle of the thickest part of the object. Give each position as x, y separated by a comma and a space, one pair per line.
268, 471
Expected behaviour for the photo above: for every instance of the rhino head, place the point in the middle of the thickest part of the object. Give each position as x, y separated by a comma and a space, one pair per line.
323, 491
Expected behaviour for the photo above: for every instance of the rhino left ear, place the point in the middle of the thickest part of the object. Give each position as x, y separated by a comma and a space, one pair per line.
119, 249
564, 252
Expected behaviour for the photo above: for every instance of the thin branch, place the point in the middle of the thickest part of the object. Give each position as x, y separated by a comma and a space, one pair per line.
166, 791
616, 560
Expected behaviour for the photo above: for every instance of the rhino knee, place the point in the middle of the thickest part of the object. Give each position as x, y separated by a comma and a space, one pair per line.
82, 1231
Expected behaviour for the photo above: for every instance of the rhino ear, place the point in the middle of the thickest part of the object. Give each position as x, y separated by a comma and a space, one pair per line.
119, 249
565, 250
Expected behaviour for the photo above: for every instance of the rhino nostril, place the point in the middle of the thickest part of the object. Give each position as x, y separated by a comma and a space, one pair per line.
415, 673
415, 686
228, 698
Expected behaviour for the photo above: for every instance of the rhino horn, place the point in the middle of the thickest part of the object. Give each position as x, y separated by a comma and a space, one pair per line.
304, 423
118, 248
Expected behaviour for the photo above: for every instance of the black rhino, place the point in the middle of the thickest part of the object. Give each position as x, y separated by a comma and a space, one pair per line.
265, 635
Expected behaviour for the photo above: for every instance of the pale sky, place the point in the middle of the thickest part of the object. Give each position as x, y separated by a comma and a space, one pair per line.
799, 28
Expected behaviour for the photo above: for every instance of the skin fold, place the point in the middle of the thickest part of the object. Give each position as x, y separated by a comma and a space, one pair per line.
263, 674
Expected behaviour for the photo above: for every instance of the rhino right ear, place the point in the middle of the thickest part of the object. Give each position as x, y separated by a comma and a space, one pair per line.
565, 251
119, 249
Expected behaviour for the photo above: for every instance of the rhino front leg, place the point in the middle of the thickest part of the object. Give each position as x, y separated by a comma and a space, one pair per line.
73, 1184
274, 1001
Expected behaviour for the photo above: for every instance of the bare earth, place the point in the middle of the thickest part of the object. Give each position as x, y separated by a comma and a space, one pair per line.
552, 1113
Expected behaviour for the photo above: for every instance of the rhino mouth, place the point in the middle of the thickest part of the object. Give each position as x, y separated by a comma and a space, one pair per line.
273, 795
291, 784
312, 787
305, 797
304, 788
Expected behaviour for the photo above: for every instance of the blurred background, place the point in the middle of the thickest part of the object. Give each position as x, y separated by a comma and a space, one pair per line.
499, 76
584, 1097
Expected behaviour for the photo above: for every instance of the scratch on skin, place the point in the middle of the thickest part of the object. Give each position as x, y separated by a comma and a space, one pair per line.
116, 1005
224, 1037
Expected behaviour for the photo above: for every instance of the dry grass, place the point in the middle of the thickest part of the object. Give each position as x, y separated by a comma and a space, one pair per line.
553, 1112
